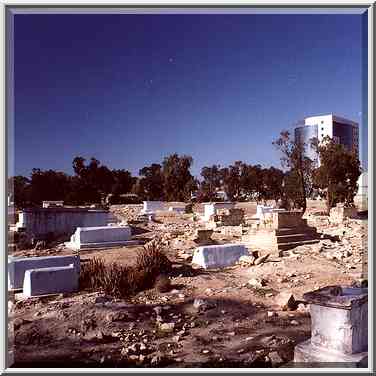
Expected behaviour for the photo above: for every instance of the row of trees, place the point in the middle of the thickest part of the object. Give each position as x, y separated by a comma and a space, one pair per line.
241, 182
335, 179
93, 182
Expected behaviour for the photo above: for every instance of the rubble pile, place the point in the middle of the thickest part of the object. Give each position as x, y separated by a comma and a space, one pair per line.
126, 213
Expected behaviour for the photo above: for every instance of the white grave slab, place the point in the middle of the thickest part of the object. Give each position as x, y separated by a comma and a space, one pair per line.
176, 209
101, 237
212, 207
50, 281
17, 266
218, 256
151, 207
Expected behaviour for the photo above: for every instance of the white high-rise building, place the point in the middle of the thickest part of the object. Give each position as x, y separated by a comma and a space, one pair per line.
341, 130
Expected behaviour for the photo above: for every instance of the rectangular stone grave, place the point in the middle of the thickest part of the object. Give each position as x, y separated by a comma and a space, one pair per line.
48, 204
339, 326
218, 256
210, 209
101, 237
59, 221
202, 236
176, 209
287, 230
17, 266
338, 214
56, 280
150, 207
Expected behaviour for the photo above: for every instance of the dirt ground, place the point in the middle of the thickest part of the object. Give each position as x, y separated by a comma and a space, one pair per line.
214, 318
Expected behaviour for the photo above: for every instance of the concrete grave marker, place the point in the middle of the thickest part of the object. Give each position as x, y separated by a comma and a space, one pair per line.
218, 256
101, 237
150, 207
17, 266
339, 329
54, 280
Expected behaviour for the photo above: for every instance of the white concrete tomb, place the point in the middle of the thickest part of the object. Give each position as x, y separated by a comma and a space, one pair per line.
218, 256
99, 237
151, 207
17, 266
54, 280
176, 209
212, 207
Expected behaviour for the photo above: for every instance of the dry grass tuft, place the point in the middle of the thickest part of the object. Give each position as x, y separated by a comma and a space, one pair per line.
121, 281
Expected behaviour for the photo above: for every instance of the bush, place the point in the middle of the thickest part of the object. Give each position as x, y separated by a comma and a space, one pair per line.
121, 281
152, 258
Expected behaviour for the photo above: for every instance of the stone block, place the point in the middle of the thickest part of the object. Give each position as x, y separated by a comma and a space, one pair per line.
340, 329
203, 235
151, 207
55, 280
218, 256
313, 356
17, 266
48, 204
59, 221
176, 209
210, 209
232, 230
100, 237
339, 326
288, 219
230, 217
338, 214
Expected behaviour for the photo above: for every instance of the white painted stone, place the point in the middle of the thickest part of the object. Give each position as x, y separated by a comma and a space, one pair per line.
176, 209
17, 266
47, 204
151, 207
218, 256
212, 207
98, 237
341, 330
59, 220
54, 280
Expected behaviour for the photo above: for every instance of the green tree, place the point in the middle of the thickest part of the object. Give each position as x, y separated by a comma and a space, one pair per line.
212, 179
231, 180
48, 185
178, 181
293, 158
150, 185
338, 173
20, 190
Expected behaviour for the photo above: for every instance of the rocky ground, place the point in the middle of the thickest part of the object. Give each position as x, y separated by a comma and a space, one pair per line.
218, 318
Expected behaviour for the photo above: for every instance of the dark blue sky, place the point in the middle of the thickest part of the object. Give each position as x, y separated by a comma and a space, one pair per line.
130, 89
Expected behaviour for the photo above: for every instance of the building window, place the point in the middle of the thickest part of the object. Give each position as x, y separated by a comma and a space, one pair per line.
322, 128
322, 121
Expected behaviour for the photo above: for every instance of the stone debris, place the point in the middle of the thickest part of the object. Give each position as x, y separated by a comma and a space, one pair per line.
245, 261
286, 301
257, 282
167, 327
262, 259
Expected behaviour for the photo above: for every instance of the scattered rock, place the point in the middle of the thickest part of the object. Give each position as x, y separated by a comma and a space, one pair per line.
257, 282
275, 359
272, 314
286, 301
167, 327
261, 259
202, 305
162, 284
